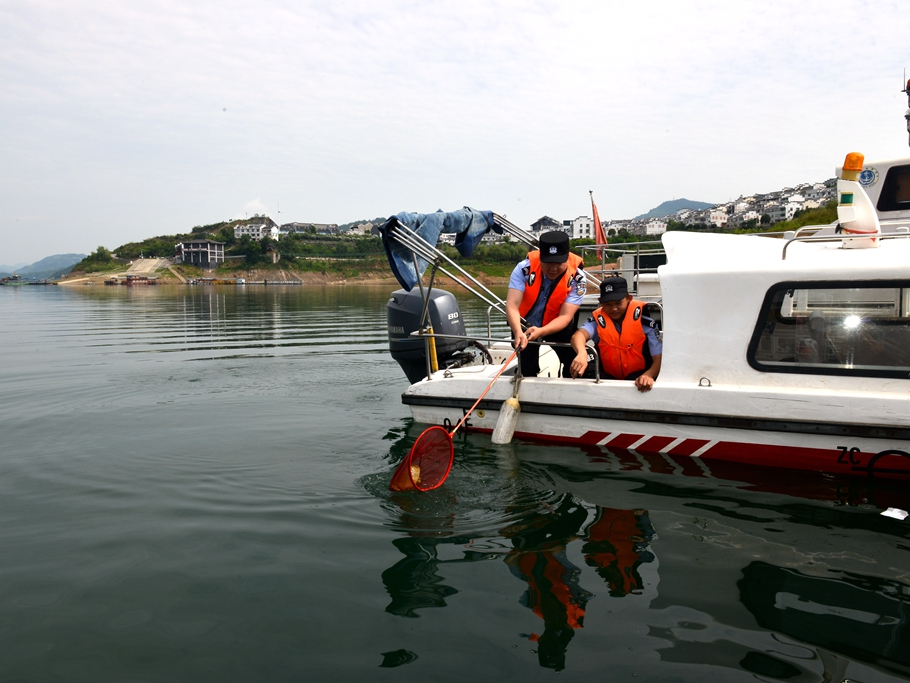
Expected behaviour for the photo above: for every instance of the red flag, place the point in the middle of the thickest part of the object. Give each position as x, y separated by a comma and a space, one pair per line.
599, 236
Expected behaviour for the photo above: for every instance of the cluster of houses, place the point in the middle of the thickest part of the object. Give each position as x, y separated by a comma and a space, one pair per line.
756, 209
266, 227
206, 253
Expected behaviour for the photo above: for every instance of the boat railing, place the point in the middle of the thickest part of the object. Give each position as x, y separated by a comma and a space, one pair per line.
903, 233
654, 247
628, 256
897, 223
427, 336
806, 228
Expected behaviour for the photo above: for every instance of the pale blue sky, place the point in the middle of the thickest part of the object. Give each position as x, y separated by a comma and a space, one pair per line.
123, 120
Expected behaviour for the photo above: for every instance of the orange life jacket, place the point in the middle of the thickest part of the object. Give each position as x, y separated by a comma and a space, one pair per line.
622, 354
557, 295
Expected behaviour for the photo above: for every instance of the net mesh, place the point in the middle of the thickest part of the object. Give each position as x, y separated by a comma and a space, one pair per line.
431, 458
428, 463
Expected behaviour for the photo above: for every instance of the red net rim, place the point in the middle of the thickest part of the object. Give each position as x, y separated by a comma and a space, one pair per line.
430, 459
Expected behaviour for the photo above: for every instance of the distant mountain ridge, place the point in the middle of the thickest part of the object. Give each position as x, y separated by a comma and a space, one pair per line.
671, 207
47, 268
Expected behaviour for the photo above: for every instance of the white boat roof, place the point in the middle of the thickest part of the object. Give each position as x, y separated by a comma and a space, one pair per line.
704, 253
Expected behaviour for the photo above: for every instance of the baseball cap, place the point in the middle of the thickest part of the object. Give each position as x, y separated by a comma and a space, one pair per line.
554, 247
613, 289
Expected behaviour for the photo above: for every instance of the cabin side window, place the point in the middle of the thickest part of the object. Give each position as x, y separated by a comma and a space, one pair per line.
860, 329
895, 195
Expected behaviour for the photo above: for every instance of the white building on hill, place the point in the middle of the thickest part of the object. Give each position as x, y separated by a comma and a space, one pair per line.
794, 203
718, 217
257, 231
777, 212
582, 228
656, 226
738, 219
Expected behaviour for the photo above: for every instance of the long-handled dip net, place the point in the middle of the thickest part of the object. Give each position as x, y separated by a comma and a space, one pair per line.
430, 459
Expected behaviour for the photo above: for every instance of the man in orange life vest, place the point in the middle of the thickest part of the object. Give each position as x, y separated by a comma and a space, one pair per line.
626, 340
545, 289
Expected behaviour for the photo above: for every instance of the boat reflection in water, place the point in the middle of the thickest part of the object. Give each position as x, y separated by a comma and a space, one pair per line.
778, 576
859, 616
615, 543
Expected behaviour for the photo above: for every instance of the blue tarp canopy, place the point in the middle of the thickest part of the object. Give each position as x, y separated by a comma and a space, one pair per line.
469, 226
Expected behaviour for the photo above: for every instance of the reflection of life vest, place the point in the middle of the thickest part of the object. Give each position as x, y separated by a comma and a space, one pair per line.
557, 294
610, 546
546, 580
622, 354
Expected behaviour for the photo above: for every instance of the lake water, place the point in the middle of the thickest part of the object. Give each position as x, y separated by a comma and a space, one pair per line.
194, 487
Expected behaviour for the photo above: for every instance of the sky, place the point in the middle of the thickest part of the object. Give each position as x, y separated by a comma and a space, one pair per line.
126, 120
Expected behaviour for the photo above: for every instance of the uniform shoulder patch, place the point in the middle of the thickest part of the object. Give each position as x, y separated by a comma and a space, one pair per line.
652, 324
526, 270
581, 286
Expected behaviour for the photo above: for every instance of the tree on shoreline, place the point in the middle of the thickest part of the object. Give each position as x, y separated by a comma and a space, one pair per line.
100, 259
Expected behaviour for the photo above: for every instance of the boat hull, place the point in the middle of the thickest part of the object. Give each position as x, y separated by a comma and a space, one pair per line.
823, 444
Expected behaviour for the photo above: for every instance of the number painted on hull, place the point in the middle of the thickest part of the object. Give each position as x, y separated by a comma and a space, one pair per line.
447, 423
849, 453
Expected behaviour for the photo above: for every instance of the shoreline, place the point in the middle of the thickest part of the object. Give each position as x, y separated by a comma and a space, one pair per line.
315, 280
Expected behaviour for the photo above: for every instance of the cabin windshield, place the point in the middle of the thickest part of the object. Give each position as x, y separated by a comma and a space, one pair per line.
860, 329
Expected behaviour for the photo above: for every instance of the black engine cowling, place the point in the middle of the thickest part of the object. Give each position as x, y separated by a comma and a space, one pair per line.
404, 310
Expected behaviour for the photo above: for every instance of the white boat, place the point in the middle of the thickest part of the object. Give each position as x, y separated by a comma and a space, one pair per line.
790, 351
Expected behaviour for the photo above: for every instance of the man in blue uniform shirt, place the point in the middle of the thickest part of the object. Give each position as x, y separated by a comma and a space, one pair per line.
545, 289
627, 341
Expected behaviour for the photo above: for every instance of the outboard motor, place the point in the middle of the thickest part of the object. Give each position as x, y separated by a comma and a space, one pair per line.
404, 310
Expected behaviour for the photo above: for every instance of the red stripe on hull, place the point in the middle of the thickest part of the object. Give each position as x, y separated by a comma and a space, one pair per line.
788, 457
886, 464
593, 437
623, 440
655, 444
688, 447
840, 461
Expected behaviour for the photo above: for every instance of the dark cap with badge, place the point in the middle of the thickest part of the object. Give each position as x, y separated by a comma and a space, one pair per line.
613, 289
554, 247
